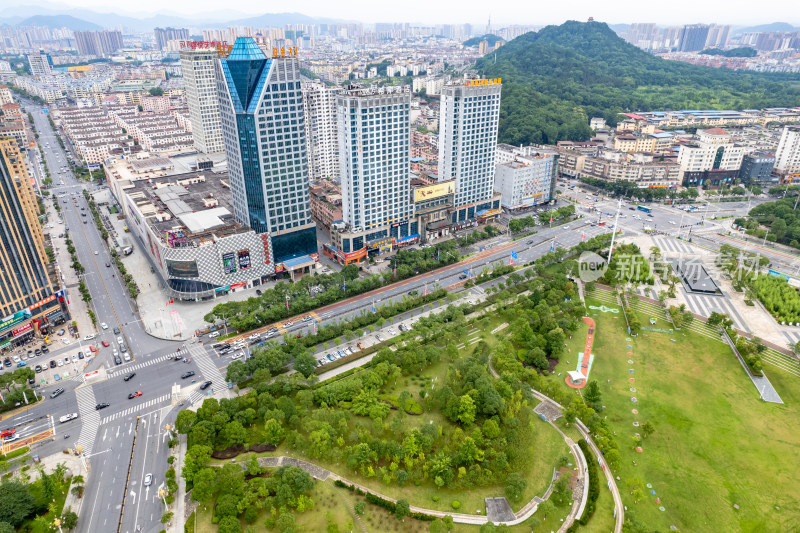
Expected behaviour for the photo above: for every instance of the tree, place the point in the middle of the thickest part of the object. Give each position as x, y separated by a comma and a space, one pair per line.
229, 524
185, 420
593, 396
69, 519
5, 527
273, 432
17, 502
156, 91
402, 509
515, 486
204, 485
466, 410
546, 508
305, 363
648, 429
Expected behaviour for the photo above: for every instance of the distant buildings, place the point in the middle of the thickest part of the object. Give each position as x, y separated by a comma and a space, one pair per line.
787, 156
98, 43
693, 38
40, 64
200, 83
165, 35
261, 107
28, 300
469, 115
319, 108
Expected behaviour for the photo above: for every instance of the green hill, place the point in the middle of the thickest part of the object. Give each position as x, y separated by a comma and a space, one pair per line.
555, 79
475, 41
742, 51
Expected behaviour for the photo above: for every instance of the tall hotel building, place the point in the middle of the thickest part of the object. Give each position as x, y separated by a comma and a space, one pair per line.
374, 133
27, 298
261, 108
201, 96
319, 106
468, 119
787, 156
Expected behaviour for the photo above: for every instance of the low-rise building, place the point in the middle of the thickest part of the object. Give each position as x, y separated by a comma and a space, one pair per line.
326, 203
643, 169
757, 168
525, 178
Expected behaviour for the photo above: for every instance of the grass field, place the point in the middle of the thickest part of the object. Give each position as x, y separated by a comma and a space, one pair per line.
716, 444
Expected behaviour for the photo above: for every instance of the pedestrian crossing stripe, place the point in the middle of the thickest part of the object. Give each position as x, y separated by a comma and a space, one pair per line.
135, 409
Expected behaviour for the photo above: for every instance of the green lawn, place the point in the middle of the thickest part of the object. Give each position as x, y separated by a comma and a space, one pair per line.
716, 443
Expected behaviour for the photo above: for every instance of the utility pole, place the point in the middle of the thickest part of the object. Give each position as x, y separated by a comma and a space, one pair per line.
614, 231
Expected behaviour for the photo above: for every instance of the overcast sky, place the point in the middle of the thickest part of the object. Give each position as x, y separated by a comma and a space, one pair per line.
502, 12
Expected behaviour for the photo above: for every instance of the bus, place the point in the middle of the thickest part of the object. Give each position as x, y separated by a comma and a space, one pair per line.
644, 208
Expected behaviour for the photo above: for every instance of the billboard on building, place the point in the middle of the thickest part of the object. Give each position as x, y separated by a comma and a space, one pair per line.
244, 259
229, 262
182, 269
434, 191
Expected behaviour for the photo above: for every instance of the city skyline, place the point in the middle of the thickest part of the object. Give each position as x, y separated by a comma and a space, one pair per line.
503, 13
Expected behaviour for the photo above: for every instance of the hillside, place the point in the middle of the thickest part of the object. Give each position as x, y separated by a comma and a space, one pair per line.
475, 41
60, 21
555, 79
742, 51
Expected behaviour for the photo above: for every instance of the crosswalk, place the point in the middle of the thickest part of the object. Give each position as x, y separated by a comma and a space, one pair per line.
137, 408
207, 367
143, 364
782, 361
706, 304
90, 419
668, 244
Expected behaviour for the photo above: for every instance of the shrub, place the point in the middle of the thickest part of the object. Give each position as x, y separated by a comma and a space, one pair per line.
456, 504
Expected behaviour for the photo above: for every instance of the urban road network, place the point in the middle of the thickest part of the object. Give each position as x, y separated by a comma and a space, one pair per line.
107, 435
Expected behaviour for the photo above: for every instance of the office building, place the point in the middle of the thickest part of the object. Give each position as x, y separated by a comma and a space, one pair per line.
526, 181
374, 164
40, 64
787, 156
27, 301
757, 168
319, 106
261, 108
165, 35
468, 119
200, 83
693, 38
98, 43
714, 158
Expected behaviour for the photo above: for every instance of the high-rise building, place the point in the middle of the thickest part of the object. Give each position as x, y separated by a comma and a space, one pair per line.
27, 299
165, 35
319, 107
787, 156
374, 162
261, 108
40, 64
717, 36
468, 118
693, 38
200, 83
98, 43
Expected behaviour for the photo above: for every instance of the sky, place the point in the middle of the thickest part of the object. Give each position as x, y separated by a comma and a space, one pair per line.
502, 12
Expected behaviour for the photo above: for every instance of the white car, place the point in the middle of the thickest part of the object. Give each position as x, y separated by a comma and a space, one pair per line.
65, 340
672, 222
96, 252
254, 336
119, 340
89, 337
104, 325
566, 227
213, 335
237, 355
60, 362
148, 480
74, 358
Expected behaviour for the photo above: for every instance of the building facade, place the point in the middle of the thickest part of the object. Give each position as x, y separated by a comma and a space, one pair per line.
319, 106
527, 181
261, 109
200, 82
469, 115
757, 168
713, 158
40, 65
165, 35
28, 301
98, 43
787, 156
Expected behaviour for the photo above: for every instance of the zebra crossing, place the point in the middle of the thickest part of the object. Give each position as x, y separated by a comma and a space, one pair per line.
782, 361
667, 244
143, 364
705, 305
792, 336
90, 419
648, 308
207, 367
136, 408
604, 296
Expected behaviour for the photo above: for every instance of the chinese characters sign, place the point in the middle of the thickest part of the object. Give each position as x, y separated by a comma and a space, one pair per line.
284, 52
476, 83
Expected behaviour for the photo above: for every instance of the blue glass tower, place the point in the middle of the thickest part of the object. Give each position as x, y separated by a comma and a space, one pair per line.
261, 109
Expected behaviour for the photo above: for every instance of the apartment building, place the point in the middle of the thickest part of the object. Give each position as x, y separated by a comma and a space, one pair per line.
201, 96
322, 140
525, 180
787, 156
713, 158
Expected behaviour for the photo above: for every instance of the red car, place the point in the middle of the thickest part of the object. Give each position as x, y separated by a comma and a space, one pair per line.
133, 395
92, 349
105, 343
7, 433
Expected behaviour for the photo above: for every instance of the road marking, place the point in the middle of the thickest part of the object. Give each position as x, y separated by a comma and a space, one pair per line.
135, 409
90, 418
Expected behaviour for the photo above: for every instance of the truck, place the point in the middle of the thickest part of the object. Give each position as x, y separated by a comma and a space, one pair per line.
67, 417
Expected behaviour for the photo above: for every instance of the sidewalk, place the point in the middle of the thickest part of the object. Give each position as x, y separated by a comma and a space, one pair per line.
180, 496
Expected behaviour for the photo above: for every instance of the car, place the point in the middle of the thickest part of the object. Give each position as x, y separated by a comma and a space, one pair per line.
254, 336
61, 332
65, 340
117, 360
133, 395
60, 362
272, 330
205, 385
258, 292
17, 359
213, 335
7, 433
129, 376
56, 392
119, 340
148, 480
108, 265
67, 417
188, 374
104, 325
462, 276
45, 349
122, 348
38, 351
105, 343
127, 357
38, 369
237, 355
89, 337
101, 406
672, 222
52, 364
287, 324
57, 377
268, 335
307, 318
116, 331
75, 358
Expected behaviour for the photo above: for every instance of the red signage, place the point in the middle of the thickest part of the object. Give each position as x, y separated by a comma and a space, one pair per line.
194, 45
265, 240
22, 329
42, 302
237, 285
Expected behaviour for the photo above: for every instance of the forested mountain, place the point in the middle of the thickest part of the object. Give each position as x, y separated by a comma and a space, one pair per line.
555, 79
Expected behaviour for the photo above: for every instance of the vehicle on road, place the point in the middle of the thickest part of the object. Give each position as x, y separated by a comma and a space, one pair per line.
178, 357
133, 395
129, 376
56, 377
106, 344
307, 318
7, 433
52, 364
104, 325
187, 374
213, 335
287, 324
56, 392
254, 336
67, 417
237, 355
205, 385
148, 480
101, 406
89, 337
117, 360
38, 369
65, 340
644, 208
116, 331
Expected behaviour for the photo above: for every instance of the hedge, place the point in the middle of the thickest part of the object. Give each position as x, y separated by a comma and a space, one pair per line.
382, 502
594, 488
